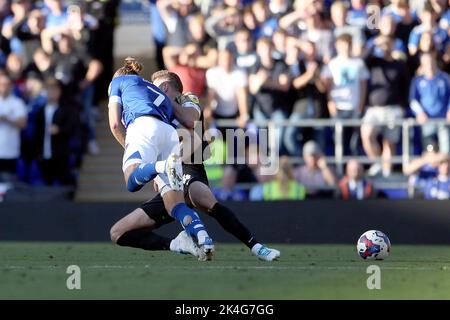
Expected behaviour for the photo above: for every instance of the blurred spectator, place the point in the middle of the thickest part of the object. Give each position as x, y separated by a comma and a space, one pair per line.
357, 15
346, 82
23, 28
283, 53
386, 102
159, 33
268, 84
249, 20
438, 188
77, 70
15, 68
397, 10
279, 44
405, 18
422, 169
207, 46
227, 96
229, 190
430, 99
63, 39
174, 14
353, 185
387, 29
192, 77
305, 91
223, 24
429, 23
309, 23
444, 22
56, 16
315, 174
13, 118
339, 17
35, 99
5, 50
283, 186
54, 128
245, 54
42, 64
267, 22
439, 6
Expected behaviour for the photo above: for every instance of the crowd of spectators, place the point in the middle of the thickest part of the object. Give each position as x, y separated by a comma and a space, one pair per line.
55, 65
373, 60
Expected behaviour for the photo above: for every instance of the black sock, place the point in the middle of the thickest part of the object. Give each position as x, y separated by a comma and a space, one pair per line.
228, 220
144, 239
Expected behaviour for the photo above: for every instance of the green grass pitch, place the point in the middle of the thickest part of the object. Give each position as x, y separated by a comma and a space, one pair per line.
38, 271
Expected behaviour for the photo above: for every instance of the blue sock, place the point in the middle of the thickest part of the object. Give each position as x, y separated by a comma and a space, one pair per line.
140, 176
189, 219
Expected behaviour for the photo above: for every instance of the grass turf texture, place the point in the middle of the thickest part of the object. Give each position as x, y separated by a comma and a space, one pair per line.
38, 271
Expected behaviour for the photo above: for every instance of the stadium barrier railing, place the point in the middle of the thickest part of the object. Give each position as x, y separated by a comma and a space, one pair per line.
339, 159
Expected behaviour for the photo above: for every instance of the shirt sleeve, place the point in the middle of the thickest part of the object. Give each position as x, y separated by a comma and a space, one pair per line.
114, 92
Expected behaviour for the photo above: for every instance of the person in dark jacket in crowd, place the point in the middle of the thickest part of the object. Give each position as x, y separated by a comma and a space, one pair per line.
54, 127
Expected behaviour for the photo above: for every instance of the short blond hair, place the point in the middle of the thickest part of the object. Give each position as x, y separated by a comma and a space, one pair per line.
166, 76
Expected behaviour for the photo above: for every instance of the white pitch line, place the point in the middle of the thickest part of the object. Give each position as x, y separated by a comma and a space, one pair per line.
312, 268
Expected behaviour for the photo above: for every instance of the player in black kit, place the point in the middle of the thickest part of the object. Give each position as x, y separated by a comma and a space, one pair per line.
136, 229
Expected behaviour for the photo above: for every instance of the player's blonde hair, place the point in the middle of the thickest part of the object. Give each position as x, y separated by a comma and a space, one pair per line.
166, 76
130, 67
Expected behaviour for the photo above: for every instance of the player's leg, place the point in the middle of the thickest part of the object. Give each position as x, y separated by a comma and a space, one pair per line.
170, 186
142, 148
138, 174
202, 197
188, 218
135, 230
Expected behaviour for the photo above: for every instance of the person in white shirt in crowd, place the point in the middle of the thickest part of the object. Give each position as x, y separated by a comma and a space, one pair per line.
13, 118
346, 81
227, 96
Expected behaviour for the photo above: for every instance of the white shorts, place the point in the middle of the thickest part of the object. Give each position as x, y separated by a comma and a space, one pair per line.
148, 140
383, 118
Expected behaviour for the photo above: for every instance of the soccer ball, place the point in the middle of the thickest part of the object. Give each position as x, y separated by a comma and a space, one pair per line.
373, 245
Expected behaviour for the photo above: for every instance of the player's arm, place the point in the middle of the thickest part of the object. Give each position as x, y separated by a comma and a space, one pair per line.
187, 110
115, 112
115, 122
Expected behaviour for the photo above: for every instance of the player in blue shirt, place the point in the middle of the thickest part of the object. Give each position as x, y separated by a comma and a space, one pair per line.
140, 116
430, 99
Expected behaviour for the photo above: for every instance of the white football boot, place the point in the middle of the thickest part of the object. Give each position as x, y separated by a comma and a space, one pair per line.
184, 244
207, 247
265, 253
174, 172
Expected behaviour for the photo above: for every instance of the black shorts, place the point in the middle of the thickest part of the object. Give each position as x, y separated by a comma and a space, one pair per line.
155, 208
